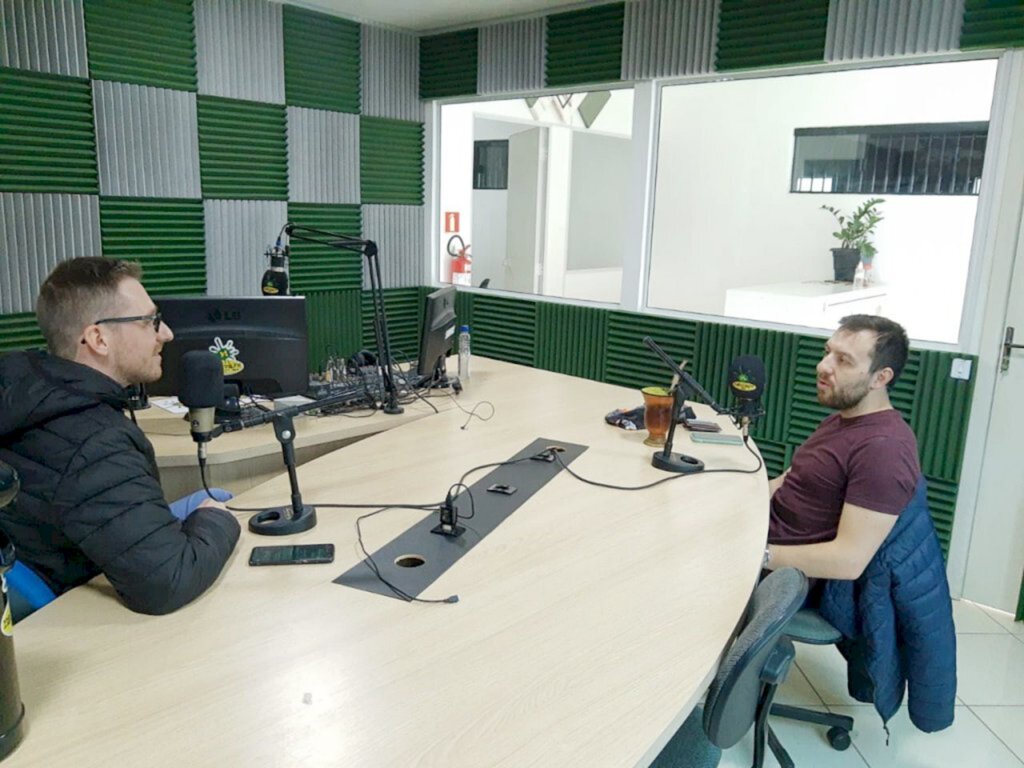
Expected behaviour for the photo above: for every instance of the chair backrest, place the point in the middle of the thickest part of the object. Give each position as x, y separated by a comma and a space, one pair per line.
26, 590
732, 701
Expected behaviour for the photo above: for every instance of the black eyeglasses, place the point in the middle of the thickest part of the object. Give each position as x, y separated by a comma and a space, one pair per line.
155, 319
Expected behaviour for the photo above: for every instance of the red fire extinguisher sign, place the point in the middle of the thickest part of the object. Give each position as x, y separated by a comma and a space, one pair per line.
451, 221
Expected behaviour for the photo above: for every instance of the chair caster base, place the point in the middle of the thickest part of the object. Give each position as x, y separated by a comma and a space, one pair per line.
838, 738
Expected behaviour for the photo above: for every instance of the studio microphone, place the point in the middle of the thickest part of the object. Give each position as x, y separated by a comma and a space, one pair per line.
202, 391
275, 279
746, 382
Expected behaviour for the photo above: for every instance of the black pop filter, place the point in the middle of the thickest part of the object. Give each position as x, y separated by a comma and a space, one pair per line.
202, 377
746, 383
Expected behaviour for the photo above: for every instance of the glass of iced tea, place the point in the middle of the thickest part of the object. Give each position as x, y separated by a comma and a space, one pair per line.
657, 414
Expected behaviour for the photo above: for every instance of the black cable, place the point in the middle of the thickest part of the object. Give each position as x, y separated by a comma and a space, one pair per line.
582, 479
417, 393
472, 502
202, 472
398, 591
352, 506
471, 413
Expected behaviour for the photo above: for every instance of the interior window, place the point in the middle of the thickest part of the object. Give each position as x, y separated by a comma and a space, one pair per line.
745, 167
533, 193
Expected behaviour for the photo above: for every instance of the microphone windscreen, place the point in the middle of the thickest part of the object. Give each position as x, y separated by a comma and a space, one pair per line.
746, 377
202, 380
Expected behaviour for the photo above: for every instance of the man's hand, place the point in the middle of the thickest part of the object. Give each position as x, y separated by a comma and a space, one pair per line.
212, 503
861, 533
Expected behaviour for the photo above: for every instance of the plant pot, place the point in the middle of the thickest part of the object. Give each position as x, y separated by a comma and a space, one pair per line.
844, 263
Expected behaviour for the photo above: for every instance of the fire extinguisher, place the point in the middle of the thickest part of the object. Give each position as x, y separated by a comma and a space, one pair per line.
462, 262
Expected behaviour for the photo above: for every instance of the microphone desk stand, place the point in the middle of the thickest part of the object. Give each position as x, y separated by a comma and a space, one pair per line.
281, 521
675, 462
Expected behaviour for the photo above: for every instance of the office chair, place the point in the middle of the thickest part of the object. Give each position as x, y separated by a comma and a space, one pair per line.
26, 591
809, 627
742, 692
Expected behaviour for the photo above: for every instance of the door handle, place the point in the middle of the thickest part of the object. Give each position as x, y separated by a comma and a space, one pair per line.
1008, 345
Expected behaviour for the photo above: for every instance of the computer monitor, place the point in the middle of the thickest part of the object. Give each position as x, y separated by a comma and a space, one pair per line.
437, 335
261, 341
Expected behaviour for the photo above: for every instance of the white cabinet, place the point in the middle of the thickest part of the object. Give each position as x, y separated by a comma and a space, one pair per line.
815, 303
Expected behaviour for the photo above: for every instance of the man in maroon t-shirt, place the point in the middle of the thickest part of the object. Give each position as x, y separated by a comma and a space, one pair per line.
834, 506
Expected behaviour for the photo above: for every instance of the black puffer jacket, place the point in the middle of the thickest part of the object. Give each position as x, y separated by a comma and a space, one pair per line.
90, 498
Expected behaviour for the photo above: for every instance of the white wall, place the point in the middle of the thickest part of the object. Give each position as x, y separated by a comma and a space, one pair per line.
456, 178
597, 209
490, 209
724, 217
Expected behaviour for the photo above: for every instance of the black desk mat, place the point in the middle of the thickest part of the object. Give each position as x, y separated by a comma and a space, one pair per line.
439, 553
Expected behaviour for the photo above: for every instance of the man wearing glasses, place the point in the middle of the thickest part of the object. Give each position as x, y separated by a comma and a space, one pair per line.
91, 500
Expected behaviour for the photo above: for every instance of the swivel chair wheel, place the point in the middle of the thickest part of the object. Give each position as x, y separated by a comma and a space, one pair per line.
838, 738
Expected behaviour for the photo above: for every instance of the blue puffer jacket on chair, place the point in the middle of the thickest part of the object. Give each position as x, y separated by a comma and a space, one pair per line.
897, 623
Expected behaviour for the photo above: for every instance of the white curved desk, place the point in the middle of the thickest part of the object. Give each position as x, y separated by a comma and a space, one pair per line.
588, 623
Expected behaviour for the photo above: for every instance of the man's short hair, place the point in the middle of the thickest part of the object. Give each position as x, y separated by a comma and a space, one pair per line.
76, 293
891, 343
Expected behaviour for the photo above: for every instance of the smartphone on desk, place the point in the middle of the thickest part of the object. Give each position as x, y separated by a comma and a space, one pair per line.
701, 425
292, 554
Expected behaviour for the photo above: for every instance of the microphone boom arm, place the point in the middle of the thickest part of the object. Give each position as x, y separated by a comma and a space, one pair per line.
685, 377
367, 248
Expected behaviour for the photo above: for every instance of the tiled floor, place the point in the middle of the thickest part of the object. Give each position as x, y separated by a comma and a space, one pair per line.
987, 732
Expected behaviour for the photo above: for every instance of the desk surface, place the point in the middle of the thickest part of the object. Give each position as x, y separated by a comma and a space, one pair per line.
174, 446
588, 623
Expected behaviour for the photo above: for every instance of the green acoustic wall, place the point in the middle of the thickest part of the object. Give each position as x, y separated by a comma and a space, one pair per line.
616, 42
448, 64
585, 46
993, 24
165, 236
184, 134
403, 308
608, 345
789, 32
391, 161
243, 152
20, 331
320, 267
46, 133
148, 42
321, 55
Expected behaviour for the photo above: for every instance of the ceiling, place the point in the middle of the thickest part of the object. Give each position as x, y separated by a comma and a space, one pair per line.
435, 15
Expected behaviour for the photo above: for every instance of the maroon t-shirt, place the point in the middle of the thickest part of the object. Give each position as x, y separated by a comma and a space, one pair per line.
869, 461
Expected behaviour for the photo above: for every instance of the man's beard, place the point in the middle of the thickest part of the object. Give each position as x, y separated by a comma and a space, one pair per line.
846, 397
142, 373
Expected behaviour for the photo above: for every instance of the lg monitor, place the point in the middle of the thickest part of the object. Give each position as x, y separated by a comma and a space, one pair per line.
437, 335
261, 341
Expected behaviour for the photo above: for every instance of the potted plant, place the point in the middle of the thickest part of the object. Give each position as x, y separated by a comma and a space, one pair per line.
854, 235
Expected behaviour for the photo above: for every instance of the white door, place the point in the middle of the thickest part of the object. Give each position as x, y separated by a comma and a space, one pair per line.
995, 555
527, 169
995, 563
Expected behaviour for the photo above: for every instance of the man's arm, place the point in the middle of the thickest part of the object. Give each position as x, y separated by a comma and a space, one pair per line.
154, 561
776, 482
861, 533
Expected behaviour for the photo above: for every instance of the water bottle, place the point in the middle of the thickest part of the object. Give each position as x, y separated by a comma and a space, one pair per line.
12, 711
463, 352
859, 277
